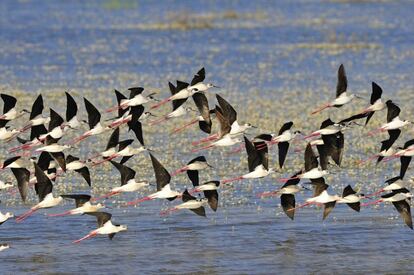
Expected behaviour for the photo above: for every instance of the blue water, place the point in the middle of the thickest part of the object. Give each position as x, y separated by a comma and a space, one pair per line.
284, 51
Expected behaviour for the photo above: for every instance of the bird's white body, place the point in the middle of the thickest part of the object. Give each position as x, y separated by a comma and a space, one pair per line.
377, 106
286, 136
398, 197
39, 120
74, 123
387, 153
180, 111
10, 115
75, 165
109, 152
4, 247
192, 204
227, 140
259, 172
131, 186
290, 189
5, 217
342, 99
109, 228
98, 129
56, 132
48, 202
324, 197
53, 148
135, 101
197, 165
165, 193
399, 184
330, 130
7, 135
237, 129
87, 207
353, 198
5, 185
206, 187
396, 123
130, 151
314, 173
407, 152
184, 93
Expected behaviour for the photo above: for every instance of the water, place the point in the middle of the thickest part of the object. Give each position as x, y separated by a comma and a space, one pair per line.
287, 52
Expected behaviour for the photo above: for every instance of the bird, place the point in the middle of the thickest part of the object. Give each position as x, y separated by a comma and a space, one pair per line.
72, 121
394, 183
5, 185
136, 98
400, 199
227, 117
75, 164
328, 127
189, 202
282, 140
204, 119
6, 134
328, 201
9, 110
209, 189
179, 105
36, 118
376, 105
405, 154
287, 195
4, 246
223, 138
311, 167
258, 162
128, 182
110, 148
94, 122
197, 85
105, 226
342, 97
192, 167
56, 151
83, 205
393, 120
44, 188
163, 179
387, 149
351, 198
5, 217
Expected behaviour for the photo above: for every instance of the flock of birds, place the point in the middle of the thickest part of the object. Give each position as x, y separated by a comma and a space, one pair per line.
41, 158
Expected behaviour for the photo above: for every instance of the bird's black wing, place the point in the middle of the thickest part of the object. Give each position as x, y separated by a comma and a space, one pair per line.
126, 172
199, 77
285, 127
94, 116
9, 102
342, 83
43, 185
22, 176
71, 107
310, 158
288, 203
392, 111
37, 107
376, 93
161, 174
405, 211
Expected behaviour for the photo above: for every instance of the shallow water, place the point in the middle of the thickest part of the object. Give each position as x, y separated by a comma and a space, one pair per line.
275, 62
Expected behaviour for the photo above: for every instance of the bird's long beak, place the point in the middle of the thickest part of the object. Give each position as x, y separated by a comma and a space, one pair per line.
215, 86
209, 165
